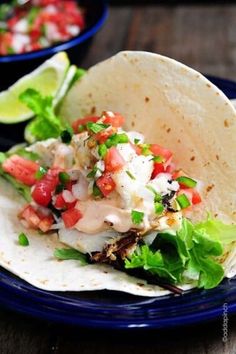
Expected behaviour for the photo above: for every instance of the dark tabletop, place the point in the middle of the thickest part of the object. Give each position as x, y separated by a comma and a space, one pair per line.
203, 37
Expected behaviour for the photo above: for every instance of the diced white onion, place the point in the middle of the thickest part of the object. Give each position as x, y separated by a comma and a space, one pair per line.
68, 196
57, 226
80, 190
74, 174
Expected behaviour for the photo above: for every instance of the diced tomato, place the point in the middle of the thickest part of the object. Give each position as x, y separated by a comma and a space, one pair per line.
158, 150
104, 135
61, 204
196, 198
42, 193
178, 173
22, 169
113, 160
69, 185
12, 22
5, 42
46, 223
192, 194
35, 35
137, 149
35, 46
170, 168
158, 168
36, 220
106, 184
115, 119
30, 215
83, 121
70, 217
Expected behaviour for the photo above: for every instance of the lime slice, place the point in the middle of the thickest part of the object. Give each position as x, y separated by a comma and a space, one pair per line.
47, 79
66, 84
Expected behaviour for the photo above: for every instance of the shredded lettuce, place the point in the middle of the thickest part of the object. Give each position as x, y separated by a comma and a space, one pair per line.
175, 257
46, 123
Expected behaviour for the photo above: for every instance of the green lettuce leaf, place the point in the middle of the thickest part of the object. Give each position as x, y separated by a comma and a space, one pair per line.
175, 257
216, 229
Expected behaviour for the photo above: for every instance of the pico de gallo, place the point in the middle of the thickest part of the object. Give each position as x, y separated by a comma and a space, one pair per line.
101, 178
114, 198
38, 24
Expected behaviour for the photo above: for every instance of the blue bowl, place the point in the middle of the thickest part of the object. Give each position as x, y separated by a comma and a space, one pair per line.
14, 66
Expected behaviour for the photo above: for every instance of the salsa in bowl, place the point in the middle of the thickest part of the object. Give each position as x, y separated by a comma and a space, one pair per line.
39, 24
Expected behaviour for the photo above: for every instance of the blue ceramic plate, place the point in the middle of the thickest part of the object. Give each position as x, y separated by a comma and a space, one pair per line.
114, 310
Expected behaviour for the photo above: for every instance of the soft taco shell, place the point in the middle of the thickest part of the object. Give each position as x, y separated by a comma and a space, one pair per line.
172, 105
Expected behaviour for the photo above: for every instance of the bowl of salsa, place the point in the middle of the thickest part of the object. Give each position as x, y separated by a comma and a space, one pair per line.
32, 31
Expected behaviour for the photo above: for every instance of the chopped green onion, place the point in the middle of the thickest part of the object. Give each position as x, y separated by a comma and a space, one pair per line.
137, 217
122, 138
130, 175
96, 191
136, 141
146, 149
66, 136
32, 14
102, 150
93, 172
183, 201
23, 240
159, 207
186, 181
96, 127
10, 50
64, 177
59, 188
158, 159
40, 173
116, 139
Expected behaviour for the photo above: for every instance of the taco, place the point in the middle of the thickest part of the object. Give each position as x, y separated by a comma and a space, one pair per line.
139, 197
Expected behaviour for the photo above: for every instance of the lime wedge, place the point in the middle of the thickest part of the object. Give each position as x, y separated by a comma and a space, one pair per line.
66, 84
47, 79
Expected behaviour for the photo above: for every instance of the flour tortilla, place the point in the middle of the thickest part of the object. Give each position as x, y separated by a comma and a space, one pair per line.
172, 105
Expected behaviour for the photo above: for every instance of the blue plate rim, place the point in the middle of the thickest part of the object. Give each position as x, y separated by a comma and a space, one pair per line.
64, 45
135, 312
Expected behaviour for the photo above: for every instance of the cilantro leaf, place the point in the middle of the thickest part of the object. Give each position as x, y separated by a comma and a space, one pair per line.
46, 124
96, 127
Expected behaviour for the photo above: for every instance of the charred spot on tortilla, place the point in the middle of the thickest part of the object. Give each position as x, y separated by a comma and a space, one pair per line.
93, 110
226, 123
147, 99
209, 188
192, 158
